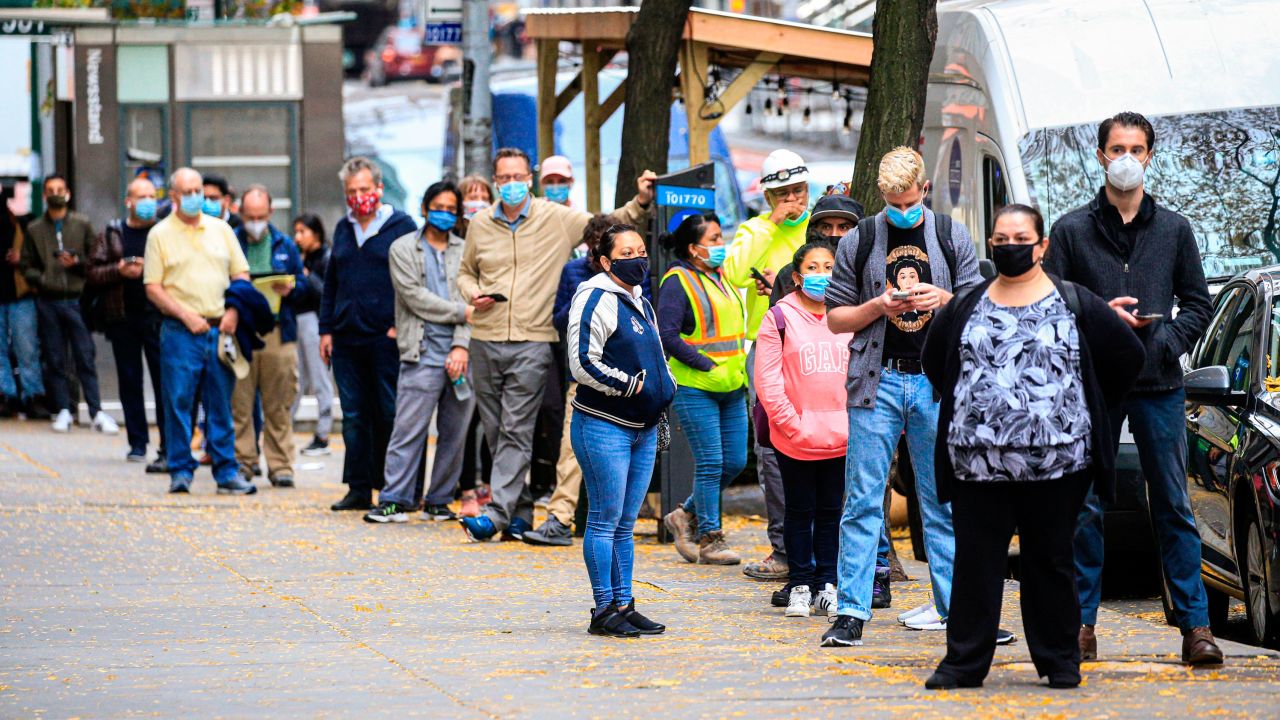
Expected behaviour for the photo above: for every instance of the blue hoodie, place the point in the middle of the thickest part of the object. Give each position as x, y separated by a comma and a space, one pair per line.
613, 338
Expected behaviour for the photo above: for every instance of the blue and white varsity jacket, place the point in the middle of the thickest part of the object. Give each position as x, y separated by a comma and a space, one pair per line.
613, 344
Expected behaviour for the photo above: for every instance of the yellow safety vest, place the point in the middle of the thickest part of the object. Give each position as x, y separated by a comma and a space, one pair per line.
719, 332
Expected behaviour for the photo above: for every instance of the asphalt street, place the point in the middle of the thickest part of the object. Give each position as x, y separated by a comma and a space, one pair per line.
120, 600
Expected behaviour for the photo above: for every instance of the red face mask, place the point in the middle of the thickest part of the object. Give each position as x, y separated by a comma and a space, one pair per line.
363, 205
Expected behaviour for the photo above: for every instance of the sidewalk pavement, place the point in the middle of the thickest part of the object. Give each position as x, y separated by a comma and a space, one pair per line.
119, 600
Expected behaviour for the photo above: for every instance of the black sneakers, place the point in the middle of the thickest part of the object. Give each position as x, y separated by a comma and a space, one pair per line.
881, 598
439, 513
318, 447
552, 532
638, 621
611, 623
387, 512
846, 631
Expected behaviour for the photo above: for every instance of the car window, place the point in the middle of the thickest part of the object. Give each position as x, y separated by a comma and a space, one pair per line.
1207, 350
1272, 377
1238, 344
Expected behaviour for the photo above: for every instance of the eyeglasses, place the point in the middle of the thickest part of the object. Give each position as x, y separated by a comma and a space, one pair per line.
783, 193
784, 175
504, 179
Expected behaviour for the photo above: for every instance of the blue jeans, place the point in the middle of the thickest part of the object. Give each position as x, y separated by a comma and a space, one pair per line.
1158, 423
20, 336
902, 401
189, 365
716, 426
366, 376
617, 465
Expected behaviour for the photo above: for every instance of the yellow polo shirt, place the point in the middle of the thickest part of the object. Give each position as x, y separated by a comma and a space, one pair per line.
194, 263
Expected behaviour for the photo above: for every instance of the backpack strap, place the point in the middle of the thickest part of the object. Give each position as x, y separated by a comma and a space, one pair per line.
866, 240
1071, 296
780, 321
943, 228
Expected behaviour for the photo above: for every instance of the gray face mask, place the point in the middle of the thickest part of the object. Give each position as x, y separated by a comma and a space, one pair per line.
1125, 172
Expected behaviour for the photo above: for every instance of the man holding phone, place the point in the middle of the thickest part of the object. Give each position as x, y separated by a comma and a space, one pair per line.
55, 264
1124, 246
131, 322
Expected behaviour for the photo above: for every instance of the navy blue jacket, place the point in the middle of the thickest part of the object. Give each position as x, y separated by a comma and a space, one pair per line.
359, 302
576, 272
255, 316
311, 292
616, 356
285, 260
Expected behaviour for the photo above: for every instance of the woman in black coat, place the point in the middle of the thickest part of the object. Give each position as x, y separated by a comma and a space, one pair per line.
1026, 366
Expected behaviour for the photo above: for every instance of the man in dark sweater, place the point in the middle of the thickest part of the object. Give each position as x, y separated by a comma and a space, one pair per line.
357, 328
1143, 258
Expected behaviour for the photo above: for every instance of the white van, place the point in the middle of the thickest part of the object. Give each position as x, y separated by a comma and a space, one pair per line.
1017, 89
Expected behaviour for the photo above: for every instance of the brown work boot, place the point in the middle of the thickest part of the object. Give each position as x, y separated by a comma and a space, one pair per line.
680, 524
771, 568
1088, 644
1199, 647
712, 550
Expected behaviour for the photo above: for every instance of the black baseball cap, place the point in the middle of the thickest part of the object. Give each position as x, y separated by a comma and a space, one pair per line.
841, 206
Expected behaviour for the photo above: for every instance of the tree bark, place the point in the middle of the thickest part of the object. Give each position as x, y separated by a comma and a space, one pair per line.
653, 44
905, 32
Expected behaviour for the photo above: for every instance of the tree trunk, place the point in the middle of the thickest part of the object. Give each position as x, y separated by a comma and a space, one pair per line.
653, 44
905, 32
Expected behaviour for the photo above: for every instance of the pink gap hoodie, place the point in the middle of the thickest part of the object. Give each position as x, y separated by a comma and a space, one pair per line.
801, 383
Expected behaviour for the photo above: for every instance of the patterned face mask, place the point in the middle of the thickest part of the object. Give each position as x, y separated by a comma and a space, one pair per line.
363, 204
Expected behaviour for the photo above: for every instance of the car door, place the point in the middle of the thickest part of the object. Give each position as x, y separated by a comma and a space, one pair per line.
1215, 428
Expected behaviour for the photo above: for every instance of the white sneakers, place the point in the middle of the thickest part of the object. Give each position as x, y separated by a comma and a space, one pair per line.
824, 603
798, 605
102, 423
925, 617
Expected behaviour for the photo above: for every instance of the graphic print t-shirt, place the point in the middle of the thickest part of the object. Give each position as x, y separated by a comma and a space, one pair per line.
906, 265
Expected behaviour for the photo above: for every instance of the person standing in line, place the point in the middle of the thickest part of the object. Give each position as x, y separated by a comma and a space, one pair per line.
433, 336
557, 529
702, 321
1027, 366
190, 261
313, 374
477, 195
357, 328
1144, 259
761, 246
19, 333
55, 262
508, 272
832, 218
624, 387
132, 322
218, 200
555, 176
800, 373
886, 389
273, 370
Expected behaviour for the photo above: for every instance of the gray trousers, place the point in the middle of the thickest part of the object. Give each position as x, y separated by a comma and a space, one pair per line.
313, 375
509, 379
775, 504
421, 391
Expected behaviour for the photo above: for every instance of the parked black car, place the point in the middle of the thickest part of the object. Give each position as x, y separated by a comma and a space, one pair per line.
1233, 458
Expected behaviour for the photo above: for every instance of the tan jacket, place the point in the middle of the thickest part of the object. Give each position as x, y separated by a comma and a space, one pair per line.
524, 266
415, 304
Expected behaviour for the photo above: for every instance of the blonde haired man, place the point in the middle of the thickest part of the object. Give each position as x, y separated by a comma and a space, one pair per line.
888, 393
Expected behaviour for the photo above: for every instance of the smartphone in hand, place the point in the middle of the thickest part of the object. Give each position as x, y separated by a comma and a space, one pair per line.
760, 278
496, 297
1148, 316
899, 295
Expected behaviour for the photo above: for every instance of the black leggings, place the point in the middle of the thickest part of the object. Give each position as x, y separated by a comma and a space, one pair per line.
814, 496
985, 515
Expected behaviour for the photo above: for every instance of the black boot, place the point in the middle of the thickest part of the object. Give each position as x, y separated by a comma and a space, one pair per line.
611, 623
354, 500
640, 622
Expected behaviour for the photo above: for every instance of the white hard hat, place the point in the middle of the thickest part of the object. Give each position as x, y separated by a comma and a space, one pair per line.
783, 168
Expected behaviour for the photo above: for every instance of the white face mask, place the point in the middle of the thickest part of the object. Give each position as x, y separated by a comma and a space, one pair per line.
1125, 172
255, 228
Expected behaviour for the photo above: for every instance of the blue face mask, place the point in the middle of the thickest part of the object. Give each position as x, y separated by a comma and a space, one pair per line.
556, 193
441, 220
715, 255
145, 209
815, 286
514, 193
191, 205
904, 220
212, 208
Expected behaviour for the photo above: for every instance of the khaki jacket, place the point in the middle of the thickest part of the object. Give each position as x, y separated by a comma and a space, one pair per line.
415, 304
524, 265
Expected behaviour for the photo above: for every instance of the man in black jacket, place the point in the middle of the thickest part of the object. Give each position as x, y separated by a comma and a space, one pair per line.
1142, 258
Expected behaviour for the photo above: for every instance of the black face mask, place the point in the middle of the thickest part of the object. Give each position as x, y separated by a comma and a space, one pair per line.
631, 271
1013, 260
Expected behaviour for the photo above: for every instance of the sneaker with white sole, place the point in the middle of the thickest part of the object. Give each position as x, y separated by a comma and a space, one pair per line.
927, 607
824, 603
801, 599
62, 423
105, 424
928, 620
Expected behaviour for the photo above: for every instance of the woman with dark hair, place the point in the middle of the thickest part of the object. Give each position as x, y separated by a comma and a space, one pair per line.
434, 337
313, 374
1026, 366
800, 374
703, 323
624, 387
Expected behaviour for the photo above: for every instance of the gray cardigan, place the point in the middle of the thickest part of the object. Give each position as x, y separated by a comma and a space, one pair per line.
865, 351
415, 304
